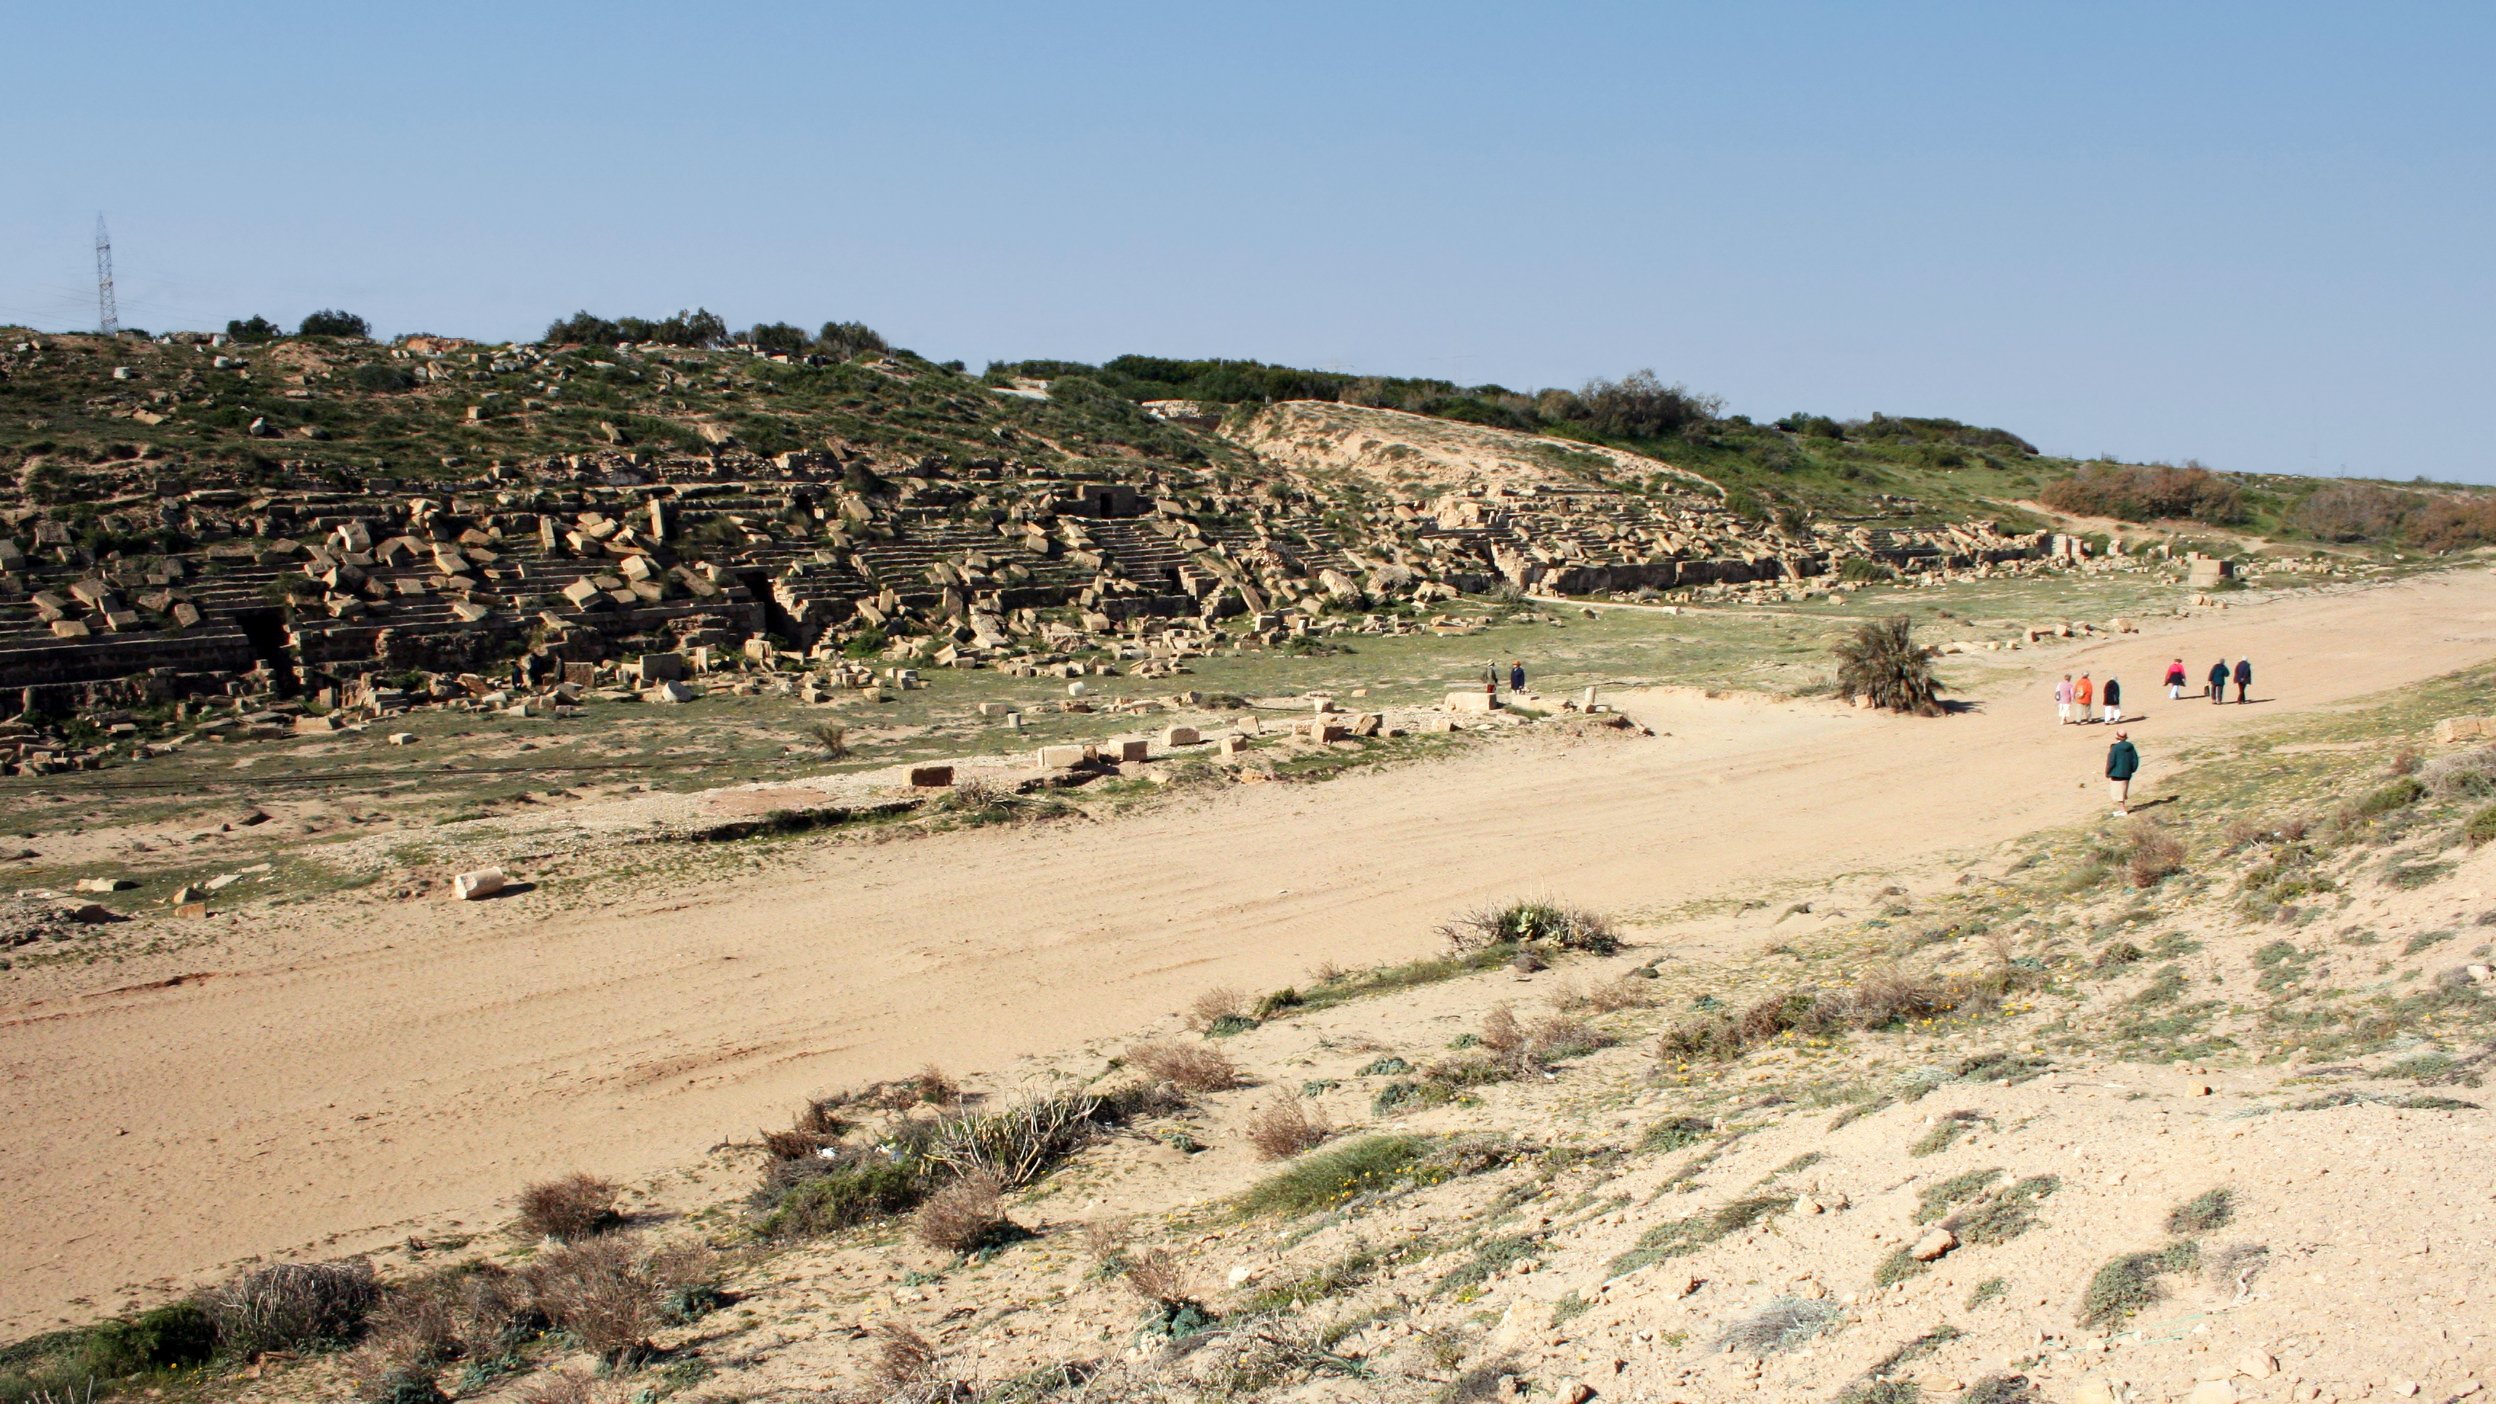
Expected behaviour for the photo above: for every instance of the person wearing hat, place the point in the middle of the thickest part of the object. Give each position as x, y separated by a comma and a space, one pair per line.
2122, 763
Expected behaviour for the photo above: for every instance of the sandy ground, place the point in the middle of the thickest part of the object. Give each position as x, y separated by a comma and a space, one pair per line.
334, 1078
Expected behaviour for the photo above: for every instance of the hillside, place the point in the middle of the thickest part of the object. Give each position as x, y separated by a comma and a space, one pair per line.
331, 523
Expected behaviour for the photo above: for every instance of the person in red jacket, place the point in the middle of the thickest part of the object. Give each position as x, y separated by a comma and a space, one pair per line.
2175, 681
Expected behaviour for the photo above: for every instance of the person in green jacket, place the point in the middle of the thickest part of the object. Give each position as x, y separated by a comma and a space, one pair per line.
2122, 763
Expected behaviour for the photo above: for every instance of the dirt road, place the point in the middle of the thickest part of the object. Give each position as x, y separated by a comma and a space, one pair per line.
326, 1079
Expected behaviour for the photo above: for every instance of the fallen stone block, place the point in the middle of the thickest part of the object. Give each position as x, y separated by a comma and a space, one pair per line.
1471, 701
1367, 724
1134, 751
2455, 729
192, 911
931, 777
479, 885
670, 692
1063, 757
1232, 745
104, 884
1180, 736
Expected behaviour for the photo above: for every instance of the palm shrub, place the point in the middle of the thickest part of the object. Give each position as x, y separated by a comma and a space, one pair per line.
1882, 661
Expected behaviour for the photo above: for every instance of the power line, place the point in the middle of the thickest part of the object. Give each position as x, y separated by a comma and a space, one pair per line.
107, 315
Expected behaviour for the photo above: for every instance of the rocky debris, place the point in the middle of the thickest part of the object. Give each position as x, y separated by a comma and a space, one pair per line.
478, 885
29, 920
308, 598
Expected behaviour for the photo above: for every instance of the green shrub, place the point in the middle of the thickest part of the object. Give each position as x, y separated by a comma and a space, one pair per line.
2123, 1287
168, 1337
332, 322
1940, 1198
2400, 794
2481, 827
2004, 1214
2203, 1213
1677, 1134
1520, 923
1882, 661
846, 1194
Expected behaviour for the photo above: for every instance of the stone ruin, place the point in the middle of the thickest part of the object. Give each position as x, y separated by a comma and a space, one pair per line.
323, 594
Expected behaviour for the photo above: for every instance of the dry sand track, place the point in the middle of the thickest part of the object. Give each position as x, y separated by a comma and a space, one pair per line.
331, 1078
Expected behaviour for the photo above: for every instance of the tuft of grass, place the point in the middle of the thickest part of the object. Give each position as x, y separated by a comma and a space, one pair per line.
1680, 1237
611, 1292
1679, 1133
1947, 1130
573, 1207
2153, 855
2124, 1287
1285, 1127
1941, 1197
1341, 987
1781, 1325
2004, 1214
2398, 795
2205, 1212
1886, 998
1989, 1290
1218, 1006
1881, 1392
966, 1216
1190, 1067
831, 738
1371, 1165
2001, 1389
1326, 1282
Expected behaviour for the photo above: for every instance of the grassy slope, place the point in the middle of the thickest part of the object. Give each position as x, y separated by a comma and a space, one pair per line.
61, 408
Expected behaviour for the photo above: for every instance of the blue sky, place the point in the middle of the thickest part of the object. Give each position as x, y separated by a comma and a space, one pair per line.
2254, 234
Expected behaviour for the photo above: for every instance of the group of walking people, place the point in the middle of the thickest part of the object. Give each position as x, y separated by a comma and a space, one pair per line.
2072, 698
2075, 698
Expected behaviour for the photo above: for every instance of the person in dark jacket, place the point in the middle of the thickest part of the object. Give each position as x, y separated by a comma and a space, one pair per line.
2113, 693
1516, 675
2122, 763
2218, 681
2244, 678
